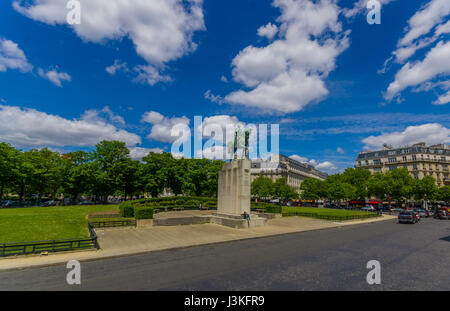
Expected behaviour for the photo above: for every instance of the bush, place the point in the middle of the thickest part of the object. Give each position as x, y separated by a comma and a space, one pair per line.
273, 209
143, 212
126, 209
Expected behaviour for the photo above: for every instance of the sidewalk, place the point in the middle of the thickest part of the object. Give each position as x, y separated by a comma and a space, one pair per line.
118, 242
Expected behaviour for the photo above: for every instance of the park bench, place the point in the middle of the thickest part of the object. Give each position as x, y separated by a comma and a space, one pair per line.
178, 208
204, 207
260, 210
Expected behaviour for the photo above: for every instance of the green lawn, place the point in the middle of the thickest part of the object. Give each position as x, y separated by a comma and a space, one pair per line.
324, 211
46, 223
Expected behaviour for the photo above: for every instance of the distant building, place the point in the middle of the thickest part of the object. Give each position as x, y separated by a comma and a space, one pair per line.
419, 159
280, 166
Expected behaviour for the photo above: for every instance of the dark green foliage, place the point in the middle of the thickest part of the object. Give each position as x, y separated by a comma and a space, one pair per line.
143, 212
126, 209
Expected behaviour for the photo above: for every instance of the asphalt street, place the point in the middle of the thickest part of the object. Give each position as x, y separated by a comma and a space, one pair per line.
412, 257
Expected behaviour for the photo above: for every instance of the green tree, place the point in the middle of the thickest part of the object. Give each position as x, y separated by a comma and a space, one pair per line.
283, 191
262, 187
358, 178
399, 184
155, 172
313, 189
425, 188
443, 194
79, 177
112, 159
8, 156
377, 186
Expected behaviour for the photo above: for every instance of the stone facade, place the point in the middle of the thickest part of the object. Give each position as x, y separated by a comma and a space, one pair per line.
419, 159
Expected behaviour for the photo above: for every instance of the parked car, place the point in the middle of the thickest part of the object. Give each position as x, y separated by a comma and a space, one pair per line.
9, 203
408, 217
421, 212
441, 214
424, 212
397, 210
49, 203
87, 203
368, 209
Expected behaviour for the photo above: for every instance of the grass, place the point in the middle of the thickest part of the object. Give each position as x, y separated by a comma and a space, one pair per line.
46, 223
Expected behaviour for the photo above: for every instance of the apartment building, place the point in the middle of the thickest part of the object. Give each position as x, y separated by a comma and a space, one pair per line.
419, 159
280, 166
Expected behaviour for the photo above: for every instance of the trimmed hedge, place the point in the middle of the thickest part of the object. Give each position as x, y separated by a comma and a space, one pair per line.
179, 201
142, 212
332, 217
274, 209
126, 209
269, 208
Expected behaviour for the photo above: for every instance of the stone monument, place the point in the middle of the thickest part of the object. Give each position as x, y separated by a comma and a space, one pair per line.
233, 195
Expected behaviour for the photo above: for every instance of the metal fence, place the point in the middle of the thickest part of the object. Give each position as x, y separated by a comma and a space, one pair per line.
37, 247
112, 223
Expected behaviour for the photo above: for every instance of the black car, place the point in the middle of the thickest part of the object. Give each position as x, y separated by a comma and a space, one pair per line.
408, 217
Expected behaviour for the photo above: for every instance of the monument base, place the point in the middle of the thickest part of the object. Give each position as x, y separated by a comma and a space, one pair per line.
231, 221
238, 222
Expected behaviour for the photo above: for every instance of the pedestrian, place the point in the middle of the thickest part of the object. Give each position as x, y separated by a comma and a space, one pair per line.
247, 217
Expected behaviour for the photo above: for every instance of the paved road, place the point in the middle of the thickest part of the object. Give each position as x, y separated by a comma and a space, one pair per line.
412, 257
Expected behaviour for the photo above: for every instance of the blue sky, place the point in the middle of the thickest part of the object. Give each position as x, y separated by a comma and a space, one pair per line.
334, 83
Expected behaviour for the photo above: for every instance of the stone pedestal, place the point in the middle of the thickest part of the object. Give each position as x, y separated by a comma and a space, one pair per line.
233, 196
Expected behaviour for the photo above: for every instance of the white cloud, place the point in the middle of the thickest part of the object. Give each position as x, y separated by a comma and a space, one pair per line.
161, 30
340, 150
313, 162
326, 167
425, 28
436, 63
150, 75
425, 19
288, 74
299, 158
361, 7
421, 24
269, 31
12, 57
443, 99
224, 79
54, 76
213, 98
30, 128
137, 153
162, 126
432, 133
117, 66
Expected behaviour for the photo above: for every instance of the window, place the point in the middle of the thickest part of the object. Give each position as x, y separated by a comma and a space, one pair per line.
416, 176
415, 167
377, 161
393, 167
377, 169
404, 158
392, 160
414, 157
